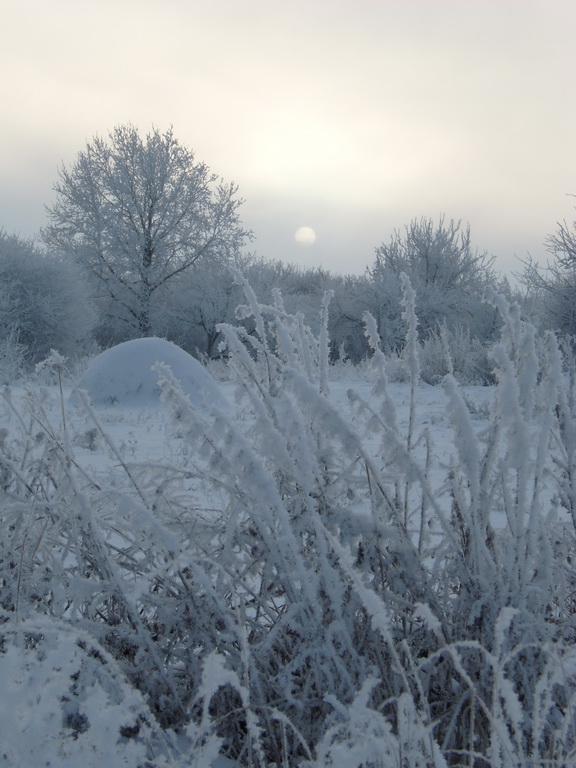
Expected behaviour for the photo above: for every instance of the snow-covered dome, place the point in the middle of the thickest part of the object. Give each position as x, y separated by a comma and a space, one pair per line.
123, 375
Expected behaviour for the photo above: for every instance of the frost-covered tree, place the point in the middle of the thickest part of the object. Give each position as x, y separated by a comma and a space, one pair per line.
44, 302
447, 272
137, 212
196, 303
553, 288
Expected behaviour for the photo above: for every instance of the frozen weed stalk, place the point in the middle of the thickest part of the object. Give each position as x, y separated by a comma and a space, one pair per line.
321, 540
307, 584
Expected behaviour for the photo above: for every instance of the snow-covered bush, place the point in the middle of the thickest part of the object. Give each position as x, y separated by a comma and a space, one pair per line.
448, 274
33, 310
12, 357
301, 585
454, 351
68, 702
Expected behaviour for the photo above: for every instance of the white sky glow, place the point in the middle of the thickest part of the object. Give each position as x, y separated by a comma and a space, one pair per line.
352, 116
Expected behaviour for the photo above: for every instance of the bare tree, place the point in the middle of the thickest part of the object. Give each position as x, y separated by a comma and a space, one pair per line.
560, 282
448, 274
136, 213
562, 245
553, 287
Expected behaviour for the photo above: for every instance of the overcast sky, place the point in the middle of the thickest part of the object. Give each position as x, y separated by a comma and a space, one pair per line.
347, 116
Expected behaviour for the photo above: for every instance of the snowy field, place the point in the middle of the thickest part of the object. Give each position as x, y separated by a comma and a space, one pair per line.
109, 442
142, 431
288, 564
107, 439
135, 428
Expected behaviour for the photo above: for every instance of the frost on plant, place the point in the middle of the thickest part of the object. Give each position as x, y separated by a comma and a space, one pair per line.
300, 582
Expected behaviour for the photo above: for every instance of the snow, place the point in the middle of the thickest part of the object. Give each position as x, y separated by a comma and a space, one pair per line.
124, 375
130, 424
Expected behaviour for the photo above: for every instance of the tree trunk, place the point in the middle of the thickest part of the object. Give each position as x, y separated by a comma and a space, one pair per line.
144, 322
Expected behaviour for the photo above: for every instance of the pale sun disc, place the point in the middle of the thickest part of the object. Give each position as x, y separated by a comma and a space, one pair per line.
305, 236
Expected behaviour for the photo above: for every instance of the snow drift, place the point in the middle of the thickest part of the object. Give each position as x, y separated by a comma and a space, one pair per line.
124, 375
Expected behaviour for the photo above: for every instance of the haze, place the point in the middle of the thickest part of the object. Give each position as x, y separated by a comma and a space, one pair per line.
350, 117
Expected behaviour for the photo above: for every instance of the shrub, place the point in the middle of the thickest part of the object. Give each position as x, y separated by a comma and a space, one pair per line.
12, 357
455, 352
44, 303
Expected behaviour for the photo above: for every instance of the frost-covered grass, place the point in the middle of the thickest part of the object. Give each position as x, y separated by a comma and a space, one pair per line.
340, 572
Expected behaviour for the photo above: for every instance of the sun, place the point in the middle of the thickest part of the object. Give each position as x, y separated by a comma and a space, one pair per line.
305, 236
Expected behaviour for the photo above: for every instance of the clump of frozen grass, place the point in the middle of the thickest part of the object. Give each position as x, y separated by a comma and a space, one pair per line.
216, 368
303, 587
13, 358
344, 368
455, 352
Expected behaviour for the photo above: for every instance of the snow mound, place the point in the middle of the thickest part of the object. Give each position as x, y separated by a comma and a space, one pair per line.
123, 375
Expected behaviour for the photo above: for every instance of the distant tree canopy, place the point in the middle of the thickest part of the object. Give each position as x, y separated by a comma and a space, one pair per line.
447, 273
554, 286
44, 302
137, 213
144, 233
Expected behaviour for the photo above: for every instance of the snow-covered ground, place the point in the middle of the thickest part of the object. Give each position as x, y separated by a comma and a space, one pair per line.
122, 430
141, 428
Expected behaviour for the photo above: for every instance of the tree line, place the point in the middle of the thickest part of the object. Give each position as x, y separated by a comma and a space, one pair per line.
141, 238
